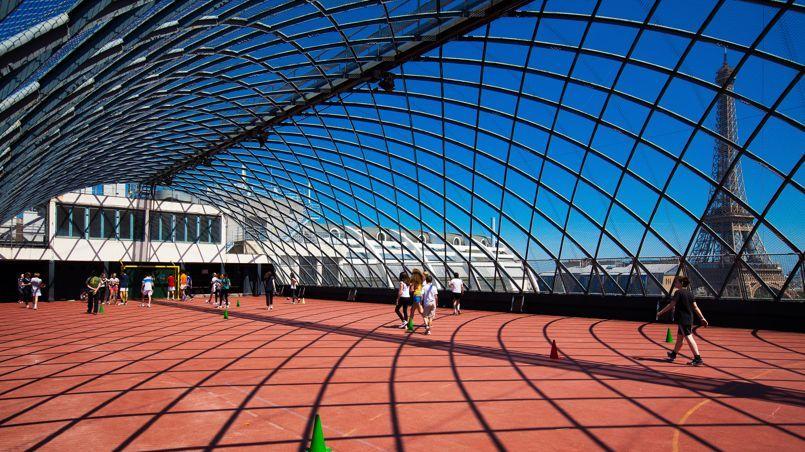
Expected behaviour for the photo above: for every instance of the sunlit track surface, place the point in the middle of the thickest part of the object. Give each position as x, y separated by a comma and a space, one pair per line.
558, 143
180, 377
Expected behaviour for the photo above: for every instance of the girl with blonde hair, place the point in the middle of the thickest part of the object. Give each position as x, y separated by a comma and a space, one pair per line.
415, 285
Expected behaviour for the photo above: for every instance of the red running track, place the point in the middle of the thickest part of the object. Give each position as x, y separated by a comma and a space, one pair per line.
180, 377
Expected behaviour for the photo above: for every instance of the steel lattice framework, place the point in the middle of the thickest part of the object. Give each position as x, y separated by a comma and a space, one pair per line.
551, 146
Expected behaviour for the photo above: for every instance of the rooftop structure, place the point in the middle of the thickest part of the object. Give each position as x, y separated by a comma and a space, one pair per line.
557, 132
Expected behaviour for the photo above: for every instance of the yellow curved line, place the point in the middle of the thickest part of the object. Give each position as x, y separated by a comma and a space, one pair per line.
675, 443
689, 413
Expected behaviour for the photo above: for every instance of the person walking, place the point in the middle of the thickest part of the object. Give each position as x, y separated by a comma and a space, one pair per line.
20, 289
683, 304
26, 289
124, 288
147, 290
188, 291
403, 299
113, 285
213, 289
430, 297
268, 284
416, 284
102, 289
456, 290
183, 286
171, 287
36, 291
226, 284
294, 287
93, 284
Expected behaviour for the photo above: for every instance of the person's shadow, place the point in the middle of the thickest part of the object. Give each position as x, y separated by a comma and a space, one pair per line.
652, 359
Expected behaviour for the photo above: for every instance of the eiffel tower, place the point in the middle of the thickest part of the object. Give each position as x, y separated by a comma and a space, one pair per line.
729, 220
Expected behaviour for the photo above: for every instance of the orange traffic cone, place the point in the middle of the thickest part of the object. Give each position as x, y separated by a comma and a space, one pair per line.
554, 351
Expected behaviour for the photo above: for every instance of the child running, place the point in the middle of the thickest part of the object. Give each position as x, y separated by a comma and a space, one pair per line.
430, 297
147, 289
403, 299
456, 289
684, 306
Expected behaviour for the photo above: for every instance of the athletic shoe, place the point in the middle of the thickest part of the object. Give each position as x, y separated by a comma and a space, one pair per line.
671, 357
427, 332
402, 325
697, 361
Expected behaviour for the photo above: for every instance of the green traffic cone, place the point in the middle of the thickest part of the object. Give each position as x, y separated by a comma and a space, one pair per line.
100, 311
410, 324
668, 337
226, 314
238, 303
317, 442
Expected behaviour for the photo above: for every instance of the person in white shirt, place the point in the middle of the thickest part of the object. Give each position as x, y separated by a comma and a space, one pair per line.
36, 290
213, 289
430, 295
403, 299
147, 289
294, 288
456, 289
114, 285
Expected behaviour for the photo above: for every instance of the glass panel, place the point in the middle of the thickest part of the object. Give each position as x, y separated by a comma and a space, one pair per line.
166, 227
192, 228
124, 226
95, 223
180, 230
215, 230
79, 221
139, 225
63, 220
154, 220
109, 223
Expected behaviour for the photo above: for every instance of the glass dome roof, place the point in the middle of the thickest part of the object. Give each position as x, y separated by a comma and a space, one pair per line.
596, 147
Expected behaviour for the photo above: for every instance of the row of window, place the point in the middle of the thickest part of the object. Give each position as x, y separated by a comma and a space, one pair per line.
129, 224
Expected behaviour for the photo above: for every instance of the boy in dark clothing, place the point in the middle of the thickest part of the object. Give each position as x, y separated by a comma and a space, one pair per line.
684, 306
93, 284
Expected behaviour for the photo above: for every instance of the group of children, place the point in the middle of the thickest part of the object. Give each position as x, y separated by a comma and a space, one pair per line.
185, 287
419, 293
270, 287
29, 289
106, 290
219, 290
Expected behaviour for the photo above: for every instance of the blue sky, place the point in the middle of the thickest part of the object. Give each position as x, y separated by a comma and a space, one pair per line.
415, 121
494, 139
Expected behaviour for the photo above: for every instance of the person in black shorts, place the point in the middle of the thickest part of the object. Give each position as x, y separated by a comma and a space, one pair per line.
403, 300
684, 306
268, 285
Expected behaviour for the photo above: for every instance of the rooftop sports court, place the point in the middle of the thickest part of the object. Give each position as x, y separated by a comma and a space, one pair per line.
181, 377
